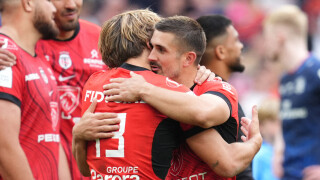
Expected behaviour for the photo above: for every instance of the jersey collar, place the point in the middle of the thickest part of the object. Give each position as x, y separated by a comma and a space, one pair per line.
131, 67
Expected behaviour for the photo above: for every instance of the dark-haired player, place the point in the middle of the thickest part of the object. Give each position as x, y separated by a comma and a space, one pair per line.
29, 131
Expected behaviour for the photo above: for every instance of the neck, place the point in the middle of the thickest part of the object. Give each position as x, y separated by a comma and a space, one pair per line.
220, 69
141, 61
187, 76
16, 30
64, 35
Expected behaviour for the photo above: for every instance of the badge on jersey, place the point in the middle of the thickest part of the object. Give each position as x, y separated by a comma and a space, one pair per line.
69, 100
65, 60
6, 77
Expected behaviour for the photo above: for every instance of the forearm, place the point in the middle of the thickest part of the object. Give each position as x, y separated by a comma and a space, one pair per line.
13, 162
190, 109
79, 150
242, 154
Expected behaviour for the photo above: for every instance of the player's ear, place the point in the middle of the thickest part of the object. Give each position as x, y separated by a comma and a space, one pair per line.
220, 52
28, 5
190, 58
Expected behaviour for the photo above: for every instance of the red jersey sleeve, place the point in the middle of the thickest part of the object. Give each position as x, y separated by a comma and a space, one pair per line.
11, 83
222, 89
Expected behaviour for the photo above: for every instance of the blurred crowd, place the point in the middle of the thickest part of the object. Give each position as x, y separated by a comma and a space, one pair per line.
260, 79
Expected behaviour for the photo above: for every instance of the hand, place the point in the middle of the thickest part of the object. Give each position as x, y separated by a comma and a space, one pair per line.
204, 74
124, 89
7, 59
311, 172
95, 125
250, 128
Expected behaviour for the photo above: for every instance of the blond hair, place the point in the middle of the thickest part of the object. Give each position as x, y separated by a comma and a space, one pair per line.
126, 35
269, 110
289, 16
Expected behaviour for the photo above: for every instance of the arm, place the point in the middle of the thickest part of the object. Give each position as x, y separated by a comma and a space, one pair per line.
227, 159
205, 111
277, 160
13, 161
91, 126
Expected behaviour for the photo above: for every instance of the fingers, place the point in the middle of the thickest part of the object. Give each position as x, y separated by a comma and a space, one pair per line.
7, 58
118, 80
111, 92
244, 131
204, 76
111, 86
92, 106
212, 76
201, 70
244, 138
105, 115
114, 98
133, 74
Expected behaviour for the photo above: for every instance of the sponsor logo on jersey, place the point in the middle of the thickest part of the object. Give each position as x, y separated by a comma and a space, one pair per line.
94, 60
117, 174
287, 112
90, 95
48, 138
33, 76
172, 83
54, 115
6, 77
62, 78
227, 87
65, 60
43, 75
297, 87
8, 44
69, 100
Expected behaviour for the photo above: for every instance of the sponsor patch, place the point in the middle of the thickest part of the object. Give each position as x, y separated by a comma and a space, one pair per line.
6, 77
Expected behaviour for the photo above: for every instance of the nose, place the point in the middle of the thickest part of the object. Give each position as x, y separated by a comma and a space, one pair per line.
152, 56
70, 4
54, 9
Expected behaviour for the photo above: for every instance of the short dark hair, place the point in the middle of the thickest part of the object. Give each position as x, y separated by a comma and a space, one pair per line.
214, 25
189, 33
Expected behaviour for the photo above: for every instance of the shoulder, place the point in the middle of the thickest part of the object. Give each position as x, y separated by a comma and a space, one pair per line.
9, 45
88, 26
216, 85
164, 82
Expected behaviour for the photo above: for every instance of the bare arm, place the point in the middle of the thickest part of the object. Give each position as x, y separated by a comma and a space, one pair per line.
205, 111
13, 161
227, 159
91, 126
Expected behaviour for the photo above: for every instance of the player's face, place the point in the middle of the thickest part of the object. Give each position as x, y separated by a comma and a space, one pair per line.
165, 58
43, 19
68, 12
234, 48
271, 43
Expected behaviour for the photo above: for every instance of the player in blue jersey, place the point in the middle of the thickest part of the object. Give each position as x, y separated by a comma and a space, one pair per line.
285, 32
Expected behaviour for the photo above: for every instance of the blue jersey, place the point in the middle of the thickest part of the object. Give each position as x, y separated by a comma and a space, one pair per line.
300, 112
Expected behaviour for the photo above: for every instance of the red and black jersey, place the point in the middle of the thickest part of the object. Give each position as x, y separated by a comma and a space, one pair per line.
185, 163
73, 61
142, 148
31, 85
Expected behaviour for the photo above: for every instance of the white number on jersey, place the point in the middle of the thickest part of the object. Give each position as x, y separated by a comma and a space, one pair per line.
117, 135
